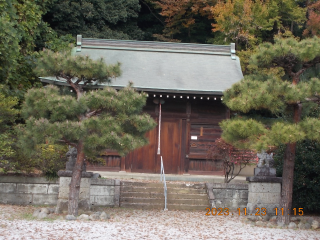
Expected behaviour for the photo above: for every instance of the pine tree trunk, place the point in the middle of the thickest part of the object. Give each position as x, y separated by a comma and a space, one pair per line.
74, 189
287, 184
287, 176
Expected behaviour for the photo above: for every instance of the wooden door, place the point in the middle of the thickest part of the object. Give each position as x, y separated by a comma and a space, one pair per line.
143, 159
170, 145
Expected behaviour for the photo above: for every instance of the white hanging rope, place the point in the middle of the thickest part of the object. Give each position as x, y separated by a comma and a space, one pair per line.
159, 137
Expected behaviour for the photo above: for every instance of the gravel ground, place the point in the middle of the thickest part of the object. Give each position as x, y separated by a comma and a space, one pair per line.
16, 222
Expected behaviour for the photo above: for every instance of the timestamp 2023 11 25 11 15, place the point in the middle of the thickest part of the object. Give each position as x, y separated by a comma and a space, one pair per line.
243, 211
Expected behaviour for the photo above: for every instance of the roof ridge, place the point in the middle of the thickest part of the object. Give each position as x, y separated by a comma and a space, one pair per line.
153, 46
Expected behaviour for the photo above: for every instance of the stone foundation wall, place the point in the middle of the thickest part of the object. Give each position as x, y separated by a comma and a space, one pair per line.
28, 190
39, 191
105, 192
264, 195
224, 195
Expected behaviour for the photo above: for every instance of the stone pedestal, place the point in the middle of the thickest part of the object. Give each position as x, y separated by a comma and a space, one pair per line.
84, 195
264, 192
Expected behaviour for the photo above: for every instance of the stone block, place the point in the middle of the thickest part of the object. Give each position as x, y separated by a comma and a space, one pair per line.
256, 197
83, 194
264, 198
219, 193
32, 188
273, 198
97, 190
53, 189
258, 208
117, 195
117, 182
21, 179
84, 204
267, 179
63, 193
244, 194
227, 186
227, 203
8, 188
251, 207
65, 181
263, 187
265, 171
62, 205
228, 193
102, 200
237, 203
16, 198
236, 194
219, 204
103, 182
45, 199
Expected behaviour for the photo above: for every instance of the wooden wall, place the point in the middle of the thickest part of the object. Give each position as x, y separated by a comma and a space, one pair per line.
182, 119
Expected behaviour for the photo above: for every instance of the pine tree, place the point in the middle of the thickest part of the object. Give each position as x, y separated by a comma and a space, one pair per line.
91, 121
281, 88
8, 115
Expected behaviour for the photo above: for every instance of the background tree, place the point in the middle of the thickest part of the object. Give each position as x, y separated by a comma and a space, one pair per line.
313, 23
22, 33
186, 20
231, 157
90, 121
281, 87
149, 20
248, 23
116, 19
306, 187
8, 115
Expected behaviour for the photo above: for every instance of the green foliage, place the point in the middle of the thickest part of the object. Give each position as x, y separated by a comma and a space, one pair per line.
286, 50
306, 187
273, 94
93, 120
275, 87
50, 159
6, 152
47, 159
248, 22
9, 39
8, 115
52, 117
22, 31
63, 64
114, 19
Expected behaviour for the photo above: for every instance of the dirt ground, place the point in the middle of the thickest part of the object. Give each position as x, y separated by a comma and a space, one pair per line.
16, 222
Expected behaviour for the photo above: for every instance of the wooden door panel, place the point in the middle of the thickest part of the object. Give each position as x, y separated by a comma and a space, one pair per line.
170, 145
143, 159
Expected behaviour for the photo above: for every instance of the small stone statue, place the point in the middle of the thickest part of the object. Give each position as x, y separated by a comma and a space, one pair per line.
72, 157
265, 160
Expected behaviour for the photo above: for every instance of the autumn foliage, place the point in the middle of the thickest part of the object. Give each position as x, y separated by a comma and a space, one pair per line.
231, 156
313, 23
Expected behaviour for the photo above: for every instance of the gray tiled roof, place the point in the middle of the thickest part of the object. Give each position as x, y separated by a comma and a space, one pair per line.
168, 67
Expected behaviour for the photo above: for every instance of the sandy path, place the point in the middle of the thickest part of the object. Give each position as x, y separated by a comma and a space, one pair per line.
16, 223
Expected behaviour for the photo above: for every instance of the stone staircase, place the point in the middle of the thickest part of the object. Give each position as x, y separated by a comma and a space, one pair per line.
146, 195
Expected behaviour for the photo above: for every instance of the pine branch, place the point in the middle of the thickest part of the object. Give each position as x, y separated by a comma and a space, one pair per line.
68, 142
93, 113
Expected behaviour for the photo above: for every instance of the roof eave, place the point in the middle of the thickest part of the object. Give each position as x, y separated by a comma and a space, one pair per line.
173, 91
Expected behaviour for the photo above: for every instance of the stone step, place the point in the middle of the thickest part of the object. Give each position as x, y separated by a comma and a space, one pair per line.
160, 190
160, 201
169, 206
169, 185
161, 195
